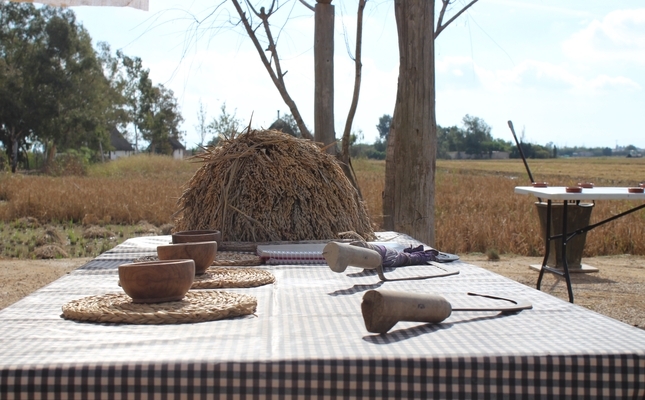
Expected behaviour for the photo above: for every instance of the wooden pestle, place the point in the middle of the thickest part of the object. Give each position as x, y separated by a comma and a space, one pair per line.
382, 309
341, 255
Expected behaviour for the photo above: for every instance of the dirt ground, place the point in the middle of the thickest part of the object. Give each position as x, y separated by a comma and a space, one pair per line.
617, 290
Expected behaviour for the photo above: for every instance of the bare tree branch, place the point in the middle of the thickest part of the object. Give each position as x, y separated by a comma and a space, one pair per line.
309, 6
444, 6
357, 78
272, 47
440, 27
277, 78
345, 159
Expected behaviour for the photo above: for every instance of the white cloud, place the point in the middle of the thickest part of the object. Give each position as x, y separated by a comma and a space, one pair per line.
609, 83
544, 76
619, 37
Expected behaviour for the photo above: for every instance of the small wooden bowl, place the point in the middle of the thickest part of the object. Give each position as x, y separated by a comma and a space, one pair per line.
642, 184
585, 185
203, 253
539, 184
635, 190
197, 236
574, 189
157, 281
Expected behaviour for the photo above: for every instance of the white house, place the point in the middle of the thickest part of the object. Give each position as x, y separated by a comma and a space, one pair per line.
120, 147
178, 149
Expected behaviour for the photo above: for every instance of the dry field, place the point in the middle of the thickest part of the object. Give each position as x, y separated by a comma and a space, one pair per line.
478, 216
476, 208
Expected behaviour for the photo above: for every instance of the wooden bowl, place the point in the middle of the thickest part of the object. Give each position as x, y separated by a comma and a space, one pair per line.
539, 184
574, 189
585, 185
197, 236
157, 281
203, 253
636, 190
642, 184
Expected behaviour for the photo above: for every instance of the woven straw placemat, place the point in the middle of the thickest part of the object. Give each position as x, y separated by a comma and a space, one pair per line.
218, 277
223, 258
198, 306
233, 258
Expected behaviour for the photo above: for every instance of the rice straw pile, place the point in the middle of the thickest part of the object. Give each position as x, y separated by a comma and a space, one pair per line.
264, 186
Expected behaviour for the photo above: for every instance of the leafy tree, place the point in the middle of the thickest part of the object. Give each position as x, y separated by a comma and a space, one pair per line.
293, 124
477, 137
202, 126
160, 119
225, 126
51, 81
136, 87
19, 42
383, 126
117, 113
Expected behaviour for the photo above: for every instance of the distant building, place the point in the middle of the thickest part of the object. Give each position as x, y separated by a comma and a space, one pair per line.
283, 126
178, 149
120, 147
495, 155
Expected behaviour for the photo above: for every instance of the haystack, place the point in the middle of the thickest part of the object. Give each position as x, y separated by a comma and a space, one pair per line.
266, 186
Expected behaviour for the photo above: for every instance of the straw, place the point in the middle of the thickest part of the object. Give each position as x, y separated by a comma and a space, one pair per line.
197, 306
217, 278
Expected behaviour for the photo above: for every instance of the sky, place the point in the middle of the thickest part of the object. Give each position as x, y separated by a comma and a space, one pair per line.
567, 73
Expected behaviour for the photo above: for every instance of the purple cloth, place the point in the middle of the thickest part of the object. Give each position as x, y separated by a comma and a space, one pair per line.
393, 258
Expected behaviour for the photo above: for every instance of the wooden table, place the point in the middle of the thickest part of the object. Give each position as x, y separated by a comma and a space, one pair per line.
307, 339
560, 194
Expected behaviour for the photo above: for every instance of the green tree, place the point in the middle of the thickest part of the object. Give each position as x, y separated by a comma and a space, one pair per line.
117, 113
20, 38
160, 119
383, 126
224, 126
293, 124
51, 80
202, 126
477, 137
134, 82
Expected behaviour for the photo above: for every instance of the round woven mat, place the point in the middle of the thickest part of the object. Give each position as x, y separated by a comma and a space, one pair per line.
196, 306
232, 258
218, 277
223, 258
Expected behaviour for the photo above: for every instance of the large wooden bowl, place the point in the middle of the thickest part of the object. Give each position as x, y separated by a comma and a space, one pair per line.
203, 253
196, 236
157, 281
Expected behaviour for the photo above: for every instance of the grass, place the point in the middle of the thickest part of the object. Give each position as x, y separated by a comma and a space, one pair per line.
476, 208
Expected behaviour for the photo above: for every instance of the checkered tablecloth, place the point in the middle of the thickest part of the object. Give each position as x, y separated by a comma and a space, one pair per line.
308, 340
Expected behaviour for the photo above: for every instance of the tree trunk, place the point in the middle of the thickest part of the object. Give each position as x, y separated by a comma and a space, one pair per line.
324, 76
414, 122
14, 150
388, 190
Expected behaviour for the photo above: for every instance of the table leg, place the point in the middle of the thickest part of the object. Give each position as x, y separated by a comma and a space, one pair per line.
547, 243
565, 239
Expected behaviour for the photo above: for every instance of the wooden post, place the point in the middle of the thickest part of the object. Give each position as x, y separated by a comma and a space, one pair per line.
324, 74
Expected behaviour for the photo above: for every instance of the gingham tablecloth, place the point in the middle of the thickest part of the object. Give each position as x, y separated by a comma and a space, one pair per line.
308, 340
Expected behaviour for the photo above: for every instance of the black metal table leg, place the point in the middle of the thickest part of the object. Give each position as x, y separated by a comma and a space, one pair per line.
547, 240
565, 239
547, 243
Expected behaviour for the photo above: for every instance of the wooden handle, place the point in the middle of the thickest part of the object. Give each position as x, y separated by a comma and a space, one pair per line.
341, 255
382, 309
